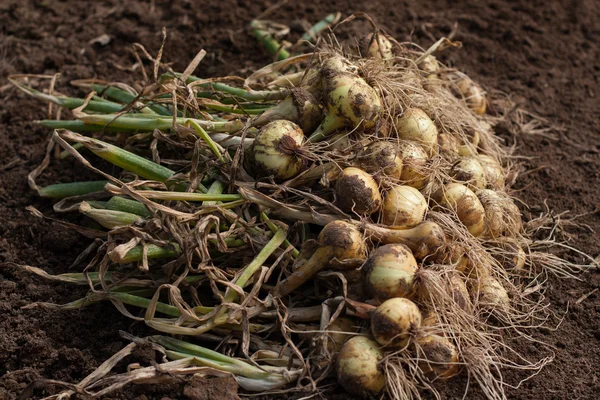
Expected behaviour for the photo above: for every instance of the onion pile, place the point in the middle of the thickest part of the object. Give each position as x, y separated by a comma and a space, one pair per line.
356, 206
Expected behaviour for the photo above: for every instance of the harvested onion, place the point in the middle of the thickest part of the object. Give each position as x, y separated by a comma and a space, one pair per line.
415, 125
376, 46
299, 107
277, 150
403, 207
357, 192
425, 239
395, 322
471, 92
440, 356
358, 369
382, 157
414, 169
491, 294
469, 171
466, 205
350, 101
390, 272
340, 245
502, 216
494, 175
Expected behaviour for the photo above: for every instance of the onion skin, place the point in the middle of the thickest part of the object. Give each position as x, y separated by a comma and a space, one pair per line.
376, 46
469, 171
382, 158
425, 239
358, 369
471, 92
512, 257
415, 125
300, 107
441, 356
395, 322
468, 208
390, 272
341, 245
357, 192
350, 101
494, 175
276, 150
414, 170
449, 145
491, 294
403, 207
430, 66
502, 216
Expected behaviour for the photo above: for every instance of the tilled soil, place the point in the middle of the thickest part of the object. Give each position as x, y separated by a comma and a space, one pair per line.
544, 54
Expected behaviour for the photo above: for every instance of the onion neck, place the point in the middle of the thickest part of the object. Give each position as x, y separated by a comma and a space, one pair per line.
315, 263
328, 125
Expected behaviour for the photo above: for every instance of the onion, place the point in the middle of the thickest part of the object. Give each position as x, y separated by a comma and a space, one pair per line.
299, 107
390, 272
357, 192
415, 125
414, 169
460, 293
341, 245
441, 356
471, 92
449, 145
423, 240
502, 216
466, 205
403, 207
376, 46
382, 157
340, 142
395, 322
512, 257
358, 369
430, 66
333, 66
433, 287
469, 170
470, 148
350, 101
491, 294
338, 332
277, 150
494, 175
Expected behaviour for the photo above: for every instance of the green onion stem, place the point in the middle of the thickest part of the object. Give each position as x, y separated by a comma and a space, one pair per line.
125, 97
109, 218
274, 228
118, 203
77, 126
62, 190
267, 40
317, 28
154, 252
149, 123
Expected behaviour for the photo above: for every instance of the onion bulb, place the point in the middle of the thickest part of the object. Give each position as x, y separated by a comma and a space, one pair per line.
425, 239
277, 150
470, 148
338, 332
471, 92
502, 216
376, 46
358, 369
469, 210
357, 192
449, 145
414, 169
440, 356
509, 253
491, 294
341, 245
469, 171
382, 157
403, 207
350, 101
299, 107
390, 272
415, 125
494, 175
395, 322
430, 66
340, 142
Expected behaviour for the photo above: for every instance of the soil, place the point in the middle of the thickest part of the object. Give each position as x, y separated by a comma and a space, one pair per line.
544, 54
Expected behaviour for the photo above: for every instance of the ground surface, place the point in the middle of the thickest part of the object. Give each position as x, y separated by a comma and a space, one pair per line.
544, 53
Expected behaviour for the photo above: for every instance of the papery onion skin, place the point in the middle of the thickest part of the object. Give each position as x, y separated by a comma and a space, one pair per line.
357, 192
395, 322
383, 158
414, 169
490, 294
300, 107
469, 171
441, 356
403, 207
494, 175
390, 272
463, 201
502, 216
358, 367
277, 150
415, 125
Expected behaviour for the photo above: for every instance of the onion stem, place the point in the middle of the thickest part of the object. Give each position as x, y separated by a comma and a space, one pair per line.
319, 27
267, 40
118, 203
62, 190
109, 218
274, 229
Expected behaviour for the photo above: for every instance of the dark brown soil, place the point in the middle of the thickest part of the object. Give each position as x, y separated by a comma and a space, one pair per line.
544, 53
